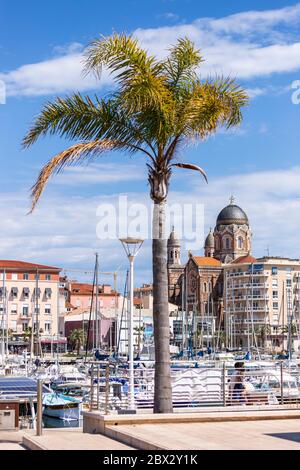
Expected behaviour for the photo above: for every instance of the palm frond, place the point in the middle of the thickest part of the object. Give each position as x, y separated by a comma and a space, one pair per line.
190, 166
182, 63
211, 105
121, 54
74, 155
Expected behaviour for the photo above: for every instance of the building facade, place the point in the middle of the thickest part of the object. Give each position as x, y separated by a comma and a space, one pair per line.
29, 298
262, 301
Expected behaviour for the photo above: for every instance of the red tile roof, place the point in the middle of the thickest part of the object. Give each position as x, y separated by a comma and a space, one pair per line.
244, 259
23, 265
87, 289
206, 261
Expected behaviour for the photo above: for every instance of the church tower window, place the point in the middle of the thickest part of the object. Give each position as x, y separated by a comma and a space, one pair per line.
240, 243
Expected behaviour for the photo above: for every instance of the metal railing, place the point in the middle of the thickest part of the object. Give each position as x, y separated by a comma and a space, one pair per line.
196, 385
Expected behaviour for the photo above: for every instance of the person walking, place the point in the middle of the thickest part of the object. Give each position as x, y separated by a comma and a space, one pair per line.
237, 385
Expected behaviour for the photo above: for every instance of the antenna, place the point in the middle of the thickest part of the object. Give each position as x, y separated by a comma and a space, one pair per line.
268, 251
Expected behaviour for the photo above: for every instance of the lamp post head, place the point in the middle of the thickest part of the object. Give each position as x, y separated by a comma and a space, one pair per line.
131, 246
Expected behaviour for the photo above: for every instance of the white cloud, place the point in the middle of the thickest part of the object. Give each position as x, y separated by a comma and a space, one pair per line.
56, 75
105, 173
246, 45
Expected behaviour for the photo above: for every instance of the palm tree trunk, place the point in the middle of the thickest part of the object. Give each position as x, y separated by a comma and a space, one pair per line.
163, 388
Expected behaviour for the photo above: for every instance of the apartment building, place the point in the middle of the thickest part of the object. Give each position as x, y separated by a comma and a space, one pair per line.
261, 302
29, 297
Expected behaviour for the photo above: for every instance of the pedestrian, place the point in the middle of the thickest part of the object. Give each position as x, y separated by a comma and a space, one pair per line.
237, 384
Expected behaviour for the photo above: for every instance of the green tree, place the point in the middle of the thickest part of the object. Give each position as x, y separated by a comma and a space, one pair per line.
77, 339
157, 108
263, 331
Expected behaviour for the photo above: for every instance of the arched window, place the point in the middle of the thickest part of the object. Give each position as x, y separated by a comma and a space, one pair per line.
209, 287
240, 242
204, 287
227, 243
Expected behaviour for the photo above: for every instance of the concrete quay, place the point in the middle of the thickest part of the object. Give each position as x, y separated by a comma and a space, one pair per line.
231, 430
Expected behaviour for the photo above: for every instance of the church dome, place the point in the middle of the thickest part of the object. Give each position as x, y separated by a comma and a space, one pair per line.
210, 241
232, 214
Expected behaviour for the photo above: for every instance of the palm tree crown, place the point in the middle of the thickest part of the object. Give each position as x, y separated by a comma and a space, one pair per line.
159, 106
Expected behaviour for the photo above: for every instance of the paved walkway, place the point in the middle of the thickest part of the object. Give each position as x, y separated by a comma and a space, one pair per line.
253, 435
70, 439
11, 440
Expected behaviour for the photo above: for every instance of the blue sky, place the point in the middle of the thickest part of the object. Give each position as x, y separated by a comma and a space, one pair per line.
40, 58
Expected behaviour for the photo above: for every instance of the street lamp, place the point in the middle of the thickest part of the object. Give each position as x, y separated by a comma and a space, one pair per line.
132, 247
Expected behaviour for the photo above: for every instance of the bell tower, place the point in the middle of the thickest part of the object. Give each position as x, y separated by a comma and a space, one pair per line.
174, 249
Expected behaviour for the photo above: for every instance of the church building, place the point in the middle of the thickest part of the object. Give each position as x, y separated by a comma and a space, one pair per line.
197, 286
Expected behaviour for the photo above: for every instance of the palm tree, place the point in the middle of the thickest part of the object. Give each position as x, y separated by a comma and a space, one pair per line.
77, 338
263, 331
157, 107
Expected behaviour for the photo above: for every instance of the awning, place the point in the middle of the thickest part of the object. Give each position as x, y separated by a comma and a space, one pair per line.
53, 341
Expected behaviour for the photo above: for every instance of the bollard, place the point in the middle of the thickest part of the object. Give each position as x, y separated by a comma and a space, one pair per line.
98, 387
106, 388
224, 383
92, 388
281, 382
39, 413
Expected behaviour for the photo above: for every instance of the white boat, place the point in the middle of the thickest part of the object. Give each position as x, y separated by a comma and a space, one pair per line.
60, 406
271, 380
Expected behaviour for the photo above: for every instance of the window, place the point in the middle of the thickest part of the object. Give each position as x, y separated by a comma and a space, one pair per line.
14, 292
26, 277
47, 327
1, 308
227, 243
48, 309
14, 277
37, 277
275, 294
14, 309
48, 277
13, 325
25, 326
274, 282
289, 283
37, 309
26, 293
240, 242
1, 276
25, 310
274, 271
48, 293
177, 327
275, 305
204, 287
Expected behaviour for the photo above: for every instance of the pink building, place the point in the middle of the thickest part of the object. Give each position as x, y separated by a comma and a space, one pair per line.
81, 297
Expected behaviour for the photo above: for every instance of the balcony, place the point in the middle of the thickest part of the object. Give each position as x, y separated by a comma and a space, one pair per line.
262, 285
248, 273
